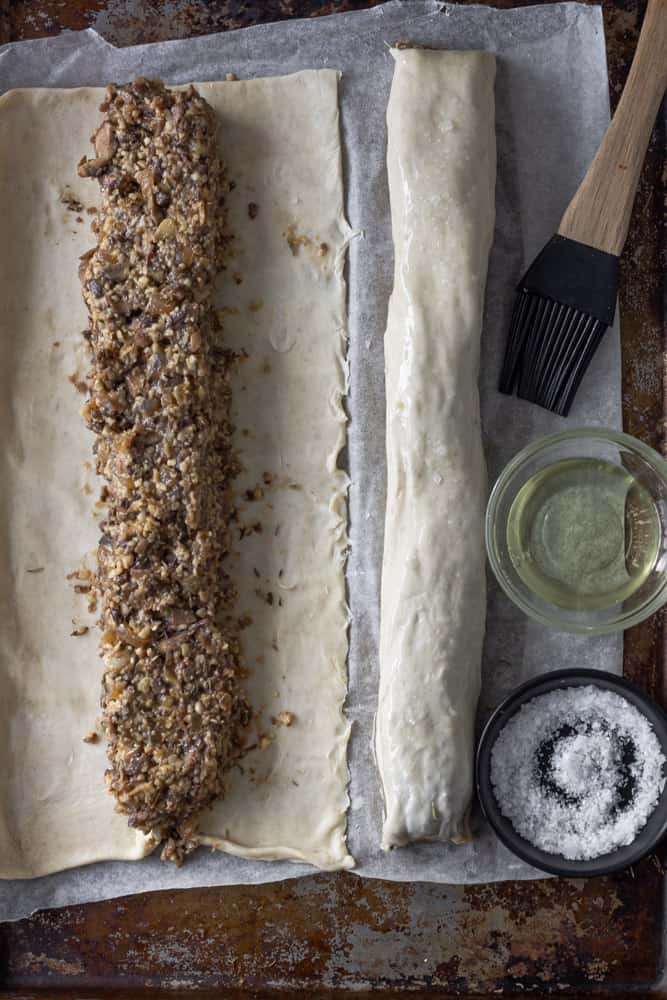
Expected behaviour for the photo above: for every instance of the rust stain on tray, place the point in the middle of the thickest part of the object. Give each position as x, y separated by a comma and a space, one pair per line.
339, 932
131, 22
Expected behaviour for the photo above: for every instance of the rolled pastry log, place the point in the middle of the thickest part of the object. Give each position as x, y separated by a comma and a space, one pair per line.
441, 161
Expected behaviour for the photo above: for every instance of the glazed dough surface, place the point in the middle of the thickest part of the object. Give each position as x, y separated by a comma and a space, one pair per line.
285, 302
441, 163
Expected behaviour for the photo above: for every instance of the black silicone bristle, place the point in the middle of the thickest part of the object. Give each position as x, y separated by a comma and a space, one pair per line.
564, 304
549, 349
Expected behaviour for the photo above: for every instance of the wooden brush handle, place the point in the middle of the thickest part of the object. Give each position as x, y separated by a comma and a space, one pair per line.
599, 213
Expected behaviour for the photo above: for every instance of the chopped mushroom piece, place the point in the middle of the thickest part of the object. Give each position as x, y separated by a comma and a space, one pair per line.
106, 146
284, 718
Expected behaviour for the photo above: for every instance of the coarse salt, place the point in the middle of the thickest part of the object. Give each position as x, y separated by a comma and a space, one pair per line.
578, 771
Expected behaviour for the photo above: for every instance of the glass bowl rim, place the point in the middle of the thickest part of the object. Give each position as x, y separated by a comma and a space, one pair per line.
557, 620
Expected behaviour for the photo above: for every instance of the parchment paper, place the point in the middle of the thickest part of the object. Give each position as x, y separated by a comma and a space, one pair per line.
552, 108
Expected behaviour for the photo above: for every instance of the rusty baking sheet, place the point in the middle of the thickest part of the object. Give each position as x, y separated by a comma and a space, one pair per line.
334, 933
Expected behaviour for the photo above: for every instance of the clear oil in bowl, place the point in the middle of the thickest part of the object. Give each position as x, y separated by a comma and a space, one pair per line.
583, 533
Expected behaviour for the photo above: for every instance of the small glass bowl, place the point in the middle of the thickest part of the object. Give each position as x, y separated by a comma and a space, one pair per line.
645, 464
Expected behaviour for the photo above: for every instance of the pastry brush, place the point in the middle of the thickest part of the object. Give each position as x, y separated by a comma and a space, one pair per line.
567, 298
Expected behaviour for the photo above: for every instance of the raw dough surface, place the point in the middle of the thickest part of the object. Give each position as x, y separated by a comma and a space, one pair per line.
54, 810
281, 143
280, 139
441, 162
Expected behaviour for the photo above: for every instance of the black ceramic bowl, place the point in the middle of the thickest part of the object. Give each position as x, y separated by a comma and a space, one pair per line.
647, 838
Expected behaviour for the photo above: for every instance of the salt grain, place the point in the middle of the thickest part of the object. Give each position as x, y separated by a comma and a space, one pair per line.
578, 772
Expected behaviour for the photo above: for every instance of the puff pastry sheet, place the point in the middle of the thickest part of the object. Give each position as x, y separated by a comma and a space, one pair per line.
283, 298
